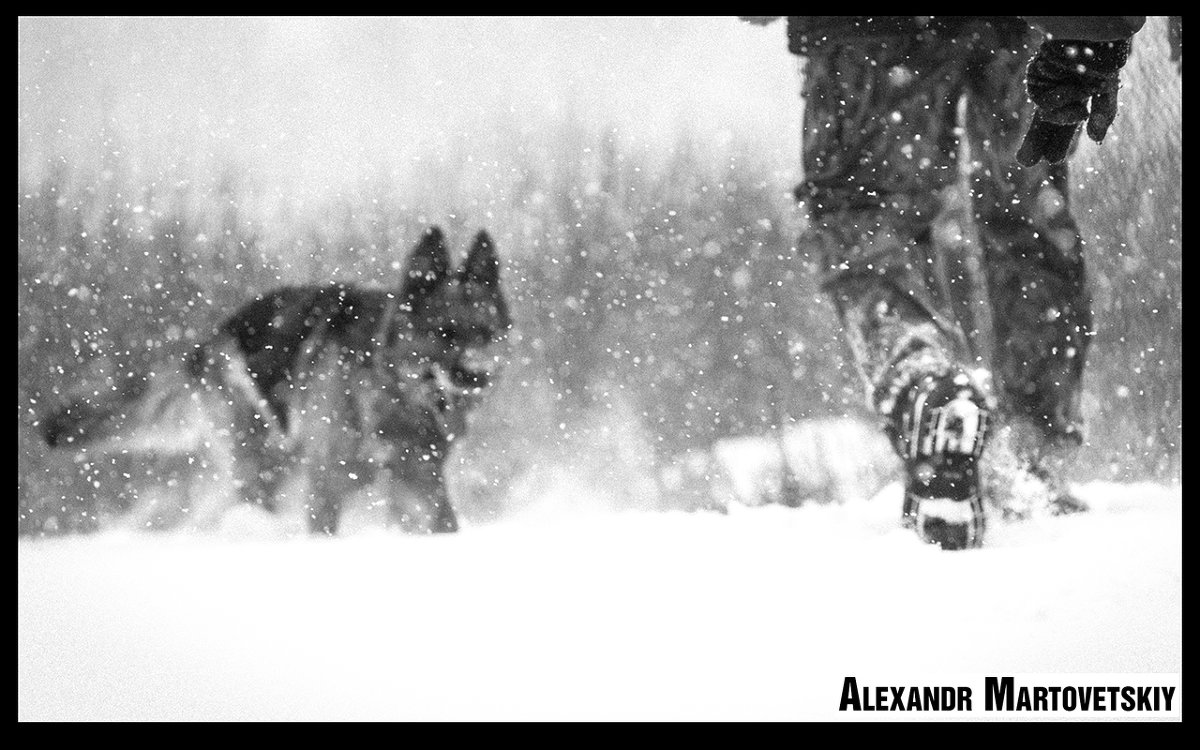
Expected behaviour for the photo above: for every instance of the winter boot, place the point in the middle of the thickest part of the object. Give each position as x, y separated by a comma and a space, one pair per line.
940, 426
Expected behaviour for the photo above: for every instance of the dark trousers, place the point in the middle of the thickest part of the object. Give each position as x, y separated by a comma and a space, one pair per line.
936, 262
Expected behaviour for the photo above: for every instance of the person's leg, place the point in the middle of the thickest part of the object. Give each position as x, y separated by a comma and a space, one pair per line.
1035, 276
879, 148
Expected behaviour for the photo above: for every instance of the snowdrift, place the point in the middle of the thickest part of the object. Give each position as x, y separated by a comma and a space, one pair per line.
754, 615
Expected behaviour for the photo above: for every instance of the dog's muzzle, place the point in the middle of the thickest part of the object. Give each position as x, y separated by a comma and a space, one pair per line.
475, 369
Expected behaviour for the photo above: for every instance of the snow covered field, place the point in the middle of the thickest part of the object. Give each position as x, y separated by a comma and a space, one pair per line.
754, 615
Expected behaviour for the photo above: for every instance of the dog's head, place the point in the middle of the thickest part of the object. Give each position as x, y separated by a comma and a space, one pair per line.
462, 310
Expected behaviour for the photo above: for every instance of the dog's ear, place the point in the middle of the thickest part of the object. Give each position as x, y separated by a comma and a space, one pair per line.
427, 265
482, 264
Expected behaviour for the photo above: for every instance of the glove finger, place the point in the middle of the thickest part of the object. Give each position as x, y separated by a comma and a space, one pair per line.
1058, 142
1029, 153
1046, 140
1104, 111
1032, 147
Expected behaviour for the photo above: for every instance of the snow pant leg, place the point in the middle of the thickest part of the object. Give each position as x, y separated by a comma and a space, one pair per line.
1032, 250
879, 150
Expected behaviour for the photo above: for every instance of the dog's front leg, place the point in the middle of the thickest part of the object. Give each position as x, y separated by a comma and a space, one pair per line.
444, 519
329, 487
418, 501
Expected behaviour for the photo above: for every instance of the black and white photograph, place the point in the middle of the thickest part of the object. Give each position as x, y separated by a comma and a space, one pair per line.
599, 368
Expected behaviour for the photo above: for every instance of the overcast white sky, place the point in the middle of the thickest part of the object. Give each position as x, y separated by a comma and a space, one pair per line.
313, 98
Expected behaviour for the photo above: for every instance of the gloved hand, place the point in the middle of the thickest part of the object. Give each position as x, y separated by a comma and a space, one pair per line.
1062, 79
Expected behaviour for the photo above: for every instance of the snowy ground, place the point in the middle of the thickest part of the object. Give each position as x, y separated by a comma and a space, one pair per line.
754, 615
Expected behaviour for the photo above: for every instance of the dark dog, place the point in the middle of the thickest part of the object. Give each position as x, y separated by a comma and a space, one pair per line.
343, 386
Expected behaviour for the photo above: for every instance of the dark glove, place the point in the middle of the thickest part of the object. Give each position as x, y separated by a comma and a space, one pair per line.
1063, 78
